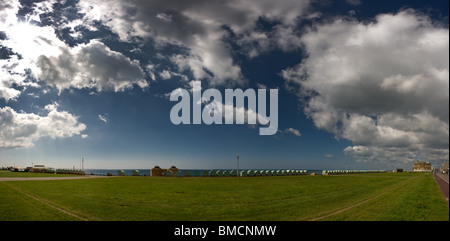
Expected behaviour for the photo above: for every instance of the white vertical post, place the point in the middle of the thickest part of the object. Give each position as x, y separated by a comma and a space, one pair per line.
237, 160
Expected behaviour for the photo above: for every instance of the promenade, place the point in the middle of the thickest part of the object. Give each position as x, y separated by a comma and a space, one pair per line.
442, 180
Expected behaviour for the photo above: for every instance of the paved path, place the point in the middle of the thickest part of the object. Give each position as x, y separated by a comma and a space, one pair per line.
9, 179
442, 180
443, 176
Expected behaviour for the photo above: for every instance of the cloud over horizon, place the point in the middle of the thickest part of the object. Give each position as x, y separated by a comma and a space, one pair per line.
383, 85
18, 129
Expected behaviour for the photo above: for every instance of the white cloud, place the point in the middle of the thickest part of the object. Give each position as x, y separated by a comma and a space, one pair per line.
291, 130
165, 74
103, 118
52, 62
6, 91
91, 65
198, 27
24, 39
383, 85
195, 26
20, 129
164, 17
8, 10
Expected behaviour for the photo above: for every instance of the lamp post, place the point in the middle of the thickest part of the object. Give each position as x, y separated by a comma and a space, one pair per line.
237, 160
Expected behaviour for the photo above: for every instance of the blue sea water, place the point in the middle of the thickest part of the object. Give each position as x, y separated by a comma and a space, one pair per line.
146, 172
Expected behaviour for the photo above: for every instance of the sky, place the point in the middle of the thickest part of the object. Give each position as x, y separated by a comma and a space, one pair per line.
361, 84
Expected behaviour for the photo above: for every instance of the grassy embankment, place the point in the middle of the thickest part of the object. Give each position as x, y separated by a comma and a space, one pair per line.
393, 196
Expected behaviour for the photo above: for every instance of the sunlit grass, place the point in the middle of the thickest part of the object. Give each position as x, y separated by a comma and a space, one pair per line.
391, 197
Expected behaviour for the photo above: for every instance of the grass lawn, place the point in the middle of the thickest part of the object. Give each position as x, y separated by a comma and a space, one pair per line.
6, 173
390, 196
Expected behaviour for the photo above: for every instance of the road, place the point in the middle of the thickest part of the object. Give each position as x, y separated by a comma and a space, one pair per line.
442, 180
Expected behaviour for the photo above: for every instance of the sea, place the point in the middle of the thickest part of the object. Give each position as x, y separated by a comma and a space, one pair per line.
193, 172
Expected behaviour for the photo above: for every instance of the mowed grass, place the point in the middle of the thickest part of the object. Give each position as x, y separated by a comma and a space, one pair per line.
6, 173
392, 196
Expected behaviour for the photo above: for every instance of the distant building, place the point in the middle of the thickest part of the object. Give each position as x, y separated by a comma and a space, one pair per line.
421, 166
41, 169
157, 171
444, 167
174, 170
18, 169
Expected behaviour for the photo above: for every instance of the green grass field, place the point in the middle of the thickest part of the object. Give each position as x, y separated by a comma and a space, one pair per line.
387, 196
5, 173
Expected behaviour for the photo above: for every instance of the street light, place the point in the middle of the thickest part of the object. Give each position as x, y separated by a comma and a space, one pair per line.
237, 160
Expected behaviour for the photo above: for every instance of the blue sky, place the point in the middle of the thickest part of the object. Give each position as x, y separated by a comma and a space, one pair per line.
361, 84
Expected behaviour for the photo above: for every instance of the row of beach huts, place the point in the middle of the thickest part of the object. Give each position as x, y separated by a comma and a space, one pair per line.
175, 172
341, 172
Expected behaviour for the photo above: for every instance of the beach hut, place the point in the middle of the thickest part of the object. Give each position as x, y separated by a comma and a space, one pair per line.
244, 173
205, 173
268, 173
156, 171
250, 173
212, 173
219, 173
121, 173
233, 173
226, 173
135, 173
178, 173
168, 173
173, 169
